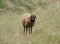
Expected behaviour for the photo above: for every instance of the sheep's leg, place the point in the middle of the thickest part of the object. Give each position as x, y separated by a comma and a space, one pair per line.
24, 28
31, 29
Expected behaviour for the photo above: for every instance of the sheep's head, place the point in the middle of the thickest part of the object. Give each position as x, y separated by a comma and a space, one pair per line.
32, 18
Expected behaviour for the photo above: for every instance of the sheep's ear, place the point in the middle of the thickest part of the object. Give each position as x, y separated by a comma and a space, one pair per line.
35, 17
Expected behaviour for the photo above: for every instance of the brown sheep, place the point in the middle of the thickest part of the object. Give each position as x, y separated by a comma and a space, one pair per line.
28, 22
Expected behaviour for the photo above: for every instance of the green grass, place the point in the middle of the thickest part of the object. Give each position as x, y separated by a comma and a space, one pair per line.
2, 3
45, 31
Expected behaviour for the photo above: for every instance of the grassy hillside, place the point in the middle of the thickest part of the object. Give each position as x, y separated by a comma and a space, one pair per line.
46, 29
